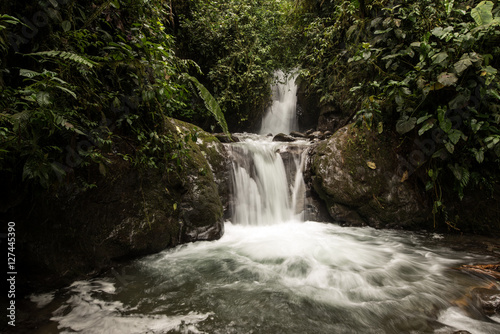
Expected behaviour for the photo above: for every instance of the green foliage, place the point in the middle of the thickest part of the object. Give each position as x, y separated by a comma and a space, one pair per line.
210, 103
91, 79
430, 73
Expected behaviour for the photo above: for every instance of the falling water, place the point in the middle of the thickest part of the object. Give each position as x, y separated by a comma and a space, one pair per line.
281, 115
266, 190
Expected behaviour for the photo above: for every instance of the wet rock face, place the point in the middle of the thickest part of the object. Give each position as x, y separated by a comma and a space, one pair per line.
357, 177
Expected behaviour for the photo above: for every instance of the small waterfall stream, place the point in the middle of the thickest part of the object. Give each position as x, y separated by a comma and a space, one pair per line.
272, 272
281, 116
268, 186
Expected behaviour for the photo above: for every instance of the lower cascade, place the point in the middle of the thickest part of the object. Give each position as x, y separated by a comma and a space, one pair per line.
267, 190
275, 272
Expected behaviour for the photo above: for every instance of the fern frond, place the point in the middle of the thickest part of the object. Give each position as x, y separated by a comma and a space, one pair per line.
465, 178
210, 103
28, 73
65, 56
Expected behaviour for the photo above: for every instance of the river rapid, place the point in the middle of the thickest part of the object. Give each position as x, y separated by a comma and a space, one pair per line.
291, 277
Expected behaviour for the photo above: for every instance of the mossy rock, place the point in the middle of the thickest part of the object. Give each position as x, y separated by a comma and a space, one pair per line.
356, 173
133, 211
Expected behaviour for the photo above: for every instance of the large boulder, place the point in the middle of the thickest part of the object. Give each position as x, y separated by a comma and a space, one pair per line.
359, 178
70, 233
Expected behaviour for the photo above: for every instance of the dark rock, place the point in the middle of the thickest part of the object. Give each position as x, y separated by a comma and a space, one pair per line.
284, 138
307, 108
296, 134
224, 138
357, 177
488, 300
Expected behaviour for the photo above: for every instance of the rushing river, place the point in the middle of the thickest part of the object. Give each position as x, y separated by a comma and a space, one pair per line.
274, 273
292, 277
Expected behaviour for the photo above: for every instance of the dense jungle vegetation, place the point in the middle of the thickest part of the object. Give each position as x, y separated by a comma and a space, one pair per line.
81, 79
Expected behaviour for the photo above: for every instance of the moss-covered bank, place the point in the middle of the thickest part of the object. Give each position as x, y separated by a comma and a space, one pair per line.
131, 212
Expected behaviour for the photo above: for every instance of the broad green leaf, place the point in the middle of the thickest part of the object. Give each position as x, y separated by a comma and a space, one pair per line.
454, 136
475, 125
442, 33
450, 147
378, 32
489, 70
440, 58
461, 65
210, 103
426, 127
66, 25
478, 154
441, 114
482, 13
448, 5
406, 124
492, 141
445, 125
494, 93
423, 118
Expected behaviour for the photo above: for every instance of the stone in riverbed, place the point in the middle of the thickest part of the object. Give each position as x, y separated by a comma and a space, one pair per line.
284, 138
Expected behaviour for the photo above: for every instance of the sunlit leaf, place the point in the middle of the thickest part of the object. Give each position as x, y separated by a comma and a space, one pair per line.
482, 13
426, 127
463, 64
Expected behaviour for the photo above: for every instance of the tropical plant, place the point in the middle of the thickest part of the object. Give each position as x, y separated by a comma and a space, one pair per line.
429, 74
94, 76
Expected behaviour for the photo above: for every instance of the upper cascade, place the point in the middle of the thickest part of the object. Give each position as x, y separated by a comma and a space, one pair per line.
281, 116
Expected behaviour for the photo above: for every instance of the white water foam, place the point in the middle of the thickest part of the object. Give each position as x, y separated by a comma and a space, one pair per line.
43, 299
89, 310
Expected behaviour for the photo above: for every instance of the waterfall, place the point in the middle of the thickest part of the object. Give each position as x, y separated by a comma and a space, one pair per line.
281, 115
267, 181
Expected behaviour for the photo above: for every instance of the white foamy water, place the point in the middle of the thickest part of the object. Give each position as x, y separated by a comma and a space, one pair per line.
92, 309
264, 191
289, 277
